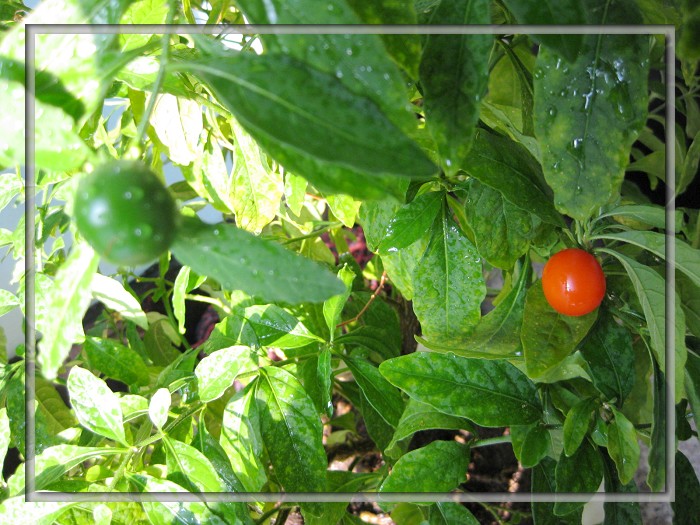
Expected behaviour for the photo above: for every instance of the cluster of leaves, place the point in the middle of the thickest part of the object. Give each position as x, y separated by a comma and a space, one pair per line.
523, 145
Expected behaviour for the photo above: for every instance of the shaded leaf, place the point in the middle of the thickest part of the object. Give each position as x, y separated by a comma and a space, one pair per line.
241, 439
233, 257
411, 222
623, 446
291, 430
570, 477
547, 336
448, 285
602, 94
438, 467
610, 356
116, 361
454, 76
490, 393
349, 141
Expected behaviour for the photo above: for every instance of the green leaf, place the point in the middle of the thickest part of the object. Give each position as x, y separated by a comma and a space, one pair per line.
69, 298
255, 191
411, 222
313, 124
380, 393
498, 333
172, 512
552, 12
602, 94
651, 292
577, 423
450, 514
292, 431
241, 261
448, 285
95, 405
8, 302
114, 296
687, 503
502, 231
531, 443
687, 259
55, 462
622, 513
547, 336
158, 344
623, 446
692, 384
333, 307
372, 338
294, 192
178, 123
359, 61
508, 168
5, 437
217, 371
438, 467
180, 289
648, 215
16, 510
344, 208
454, 75
316, 375
159, 406
570, 477
543, 482
656, 479
419, 416
186, 463
116, 361
490, 393
241, 439
404, 49
690, 302
610, 356
141, 12
214, 452
260, 326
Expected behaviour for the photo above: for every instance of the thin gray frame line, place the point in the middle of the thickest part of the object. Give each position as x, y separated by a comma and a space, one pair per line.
342, 29
351, 497
668, 495
670, 343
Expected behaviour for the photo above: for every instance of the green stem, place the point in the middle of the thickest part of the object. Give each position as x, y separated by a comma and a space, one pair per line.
313, 233
267, 515
209, 300
490, 441
119, 474
164, 57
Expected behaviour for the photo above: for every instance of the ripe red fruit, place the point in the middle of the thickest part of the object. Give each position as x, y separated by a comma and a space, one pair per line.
573, 282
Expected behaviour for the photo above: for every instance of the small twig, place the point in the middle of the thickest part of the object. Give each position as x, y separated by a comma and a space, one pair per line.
366, 306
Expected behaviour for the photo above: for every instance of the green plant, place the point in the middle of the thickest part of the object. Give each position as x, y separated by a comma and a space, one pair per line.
369, 193
125, 213
573, 282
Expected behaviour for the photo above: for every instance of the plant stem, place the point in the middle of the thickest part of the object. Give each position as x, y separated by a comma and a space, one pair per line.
490, 441
164, 57
262, 519
367, 305
209, 300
